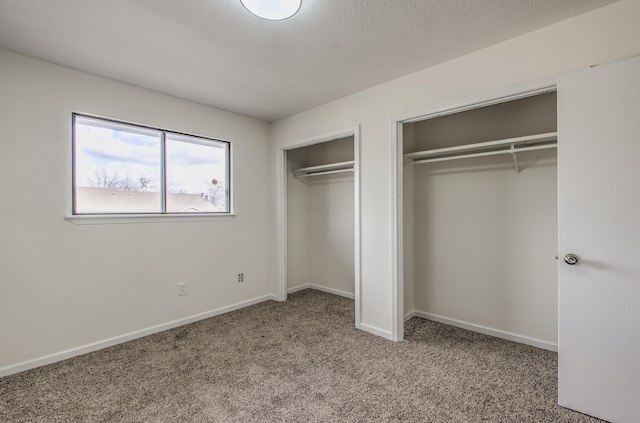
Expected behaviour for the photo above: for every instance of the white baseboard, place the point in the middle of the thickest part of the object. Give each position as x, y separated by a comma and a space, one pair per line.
298, 288
63, 355
410, 315
321, 288
332, 291
376, 331
485, 330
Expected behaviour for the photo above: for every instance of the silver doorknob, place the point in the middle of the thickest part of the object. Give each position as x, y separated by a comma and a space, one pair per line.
570, 259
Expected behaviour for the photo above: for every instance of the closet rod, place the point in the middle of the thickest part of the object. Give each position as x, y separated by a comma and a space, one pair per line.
330, 166
525, 141
326, 172
486, 153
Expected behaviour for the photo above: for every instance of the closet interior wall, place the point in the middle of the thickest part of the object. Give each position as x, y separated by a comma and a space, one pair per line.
320, 220
480, 238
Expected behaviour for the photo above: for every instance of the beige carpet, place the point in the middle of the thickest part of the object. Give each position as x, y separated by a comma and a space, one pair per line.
298, 361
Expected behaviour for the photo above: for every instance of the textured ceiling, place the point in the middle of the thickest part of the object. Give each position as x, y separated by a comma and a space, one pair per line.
216, 53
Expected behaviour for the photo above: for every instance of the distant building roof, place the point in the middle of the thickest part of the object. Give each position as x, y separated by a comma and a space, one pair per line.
109, 200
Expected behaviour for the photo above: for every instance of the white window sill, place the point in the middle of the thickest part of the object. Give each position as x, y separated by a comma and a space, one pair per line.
106, 219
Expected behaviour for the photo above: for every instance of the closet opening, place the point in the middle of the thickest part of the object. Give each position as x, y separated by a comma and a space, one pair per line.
319, 223
477, 216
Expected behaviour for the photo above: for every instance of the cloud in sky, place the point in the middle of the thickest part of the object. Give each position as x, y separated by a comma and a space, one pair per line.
136, 153
120, 156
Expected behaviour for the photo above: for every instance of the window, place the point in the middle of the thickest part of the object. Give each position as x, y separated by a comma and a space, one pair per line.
122, 168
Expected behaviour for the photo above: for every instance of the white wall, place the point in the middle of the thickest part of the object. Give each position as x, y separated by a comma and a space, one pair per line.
320, 220
65, 286
600, 36
331, 233
484, 237
297, 233
485, 244
408, 222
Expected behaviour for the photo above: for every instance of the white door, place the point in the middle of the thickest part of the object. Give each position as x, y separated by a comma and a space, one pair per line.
599, 222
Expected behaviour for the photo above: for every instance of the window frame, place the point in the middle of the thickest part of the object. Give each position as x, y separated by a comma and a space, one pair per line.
162, 215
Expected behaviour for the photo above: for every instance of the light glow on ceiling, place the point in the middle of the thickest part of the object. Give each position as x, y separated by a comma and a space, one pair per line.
273, 10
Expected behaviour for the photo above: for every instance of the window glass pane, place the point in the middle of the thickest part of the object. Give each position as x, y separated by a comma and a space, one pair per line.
196, 174
116, 167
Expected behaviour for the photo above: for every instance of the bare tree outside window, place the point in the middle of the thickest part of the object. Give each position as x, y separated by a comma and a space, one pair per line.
102, 178
217, 194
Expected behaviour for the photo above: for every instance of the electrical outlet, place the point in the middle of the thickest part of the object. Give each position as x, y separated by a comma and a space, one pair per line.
182, 288
240, 277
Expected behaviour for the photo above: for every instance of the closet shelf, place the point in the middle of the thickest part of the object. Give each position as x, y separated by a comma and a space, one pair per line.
506, 146
326, 169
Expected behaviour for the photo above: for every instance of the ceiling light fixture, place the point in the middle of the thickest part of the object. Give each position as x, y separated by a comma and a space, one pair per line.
273, 10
